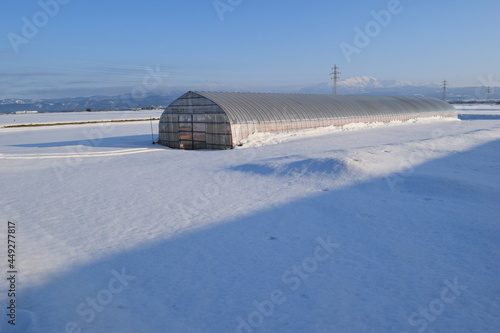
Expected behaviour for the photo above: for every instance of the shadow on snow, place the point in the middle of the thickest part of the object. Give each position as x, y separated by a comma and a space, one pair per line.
479, 116
397, 246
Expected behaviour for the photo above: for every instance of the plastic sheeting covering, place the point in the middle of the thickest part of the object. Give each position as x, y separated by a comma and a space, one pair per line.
220, 120
243, 107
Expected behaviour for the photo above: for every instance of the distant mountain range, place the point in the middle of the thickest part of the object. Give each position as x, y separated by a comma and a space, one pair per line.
94, 103
363, 85
367, 85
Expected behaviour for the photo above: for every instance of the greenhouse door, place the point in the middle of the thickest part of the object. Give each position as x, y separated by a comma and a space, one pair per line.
192, 131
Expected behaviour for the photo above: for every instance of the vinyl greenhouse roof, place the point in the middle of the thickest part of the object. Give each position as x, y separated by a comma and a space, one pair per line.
262, 107
220, 120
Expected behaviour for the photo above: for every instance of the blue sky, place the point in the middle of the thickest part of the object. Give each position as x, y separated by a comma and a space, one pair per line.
83, 48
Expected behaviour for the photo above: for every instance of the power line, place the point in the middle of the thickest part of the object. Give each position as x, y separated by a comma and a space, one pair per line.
335, 77
445, 86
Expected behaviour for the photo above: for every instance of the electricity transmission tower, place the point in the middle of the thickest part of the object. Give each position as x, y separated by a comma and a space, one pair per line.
335, 77
445, 86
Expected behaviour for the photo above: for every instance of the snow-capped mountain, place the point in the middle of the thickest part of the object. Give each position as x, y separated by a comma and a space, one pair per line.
361, 82
371, 82
368, 85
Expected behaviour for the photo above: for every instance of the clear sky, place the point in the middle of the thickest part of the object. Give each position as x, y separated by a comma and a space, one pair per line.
69, 48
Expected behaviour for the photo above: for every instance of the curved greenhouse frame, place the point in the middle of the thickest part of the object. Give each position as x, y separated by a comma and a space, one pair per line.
220, 120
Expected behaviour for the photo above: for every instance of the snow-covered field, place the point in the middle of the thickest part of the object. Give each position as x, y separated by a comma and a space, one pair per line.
362, 229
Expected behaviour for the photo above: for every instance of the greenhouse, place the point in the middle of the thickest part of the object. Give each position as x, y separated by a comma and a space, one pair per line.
221, 120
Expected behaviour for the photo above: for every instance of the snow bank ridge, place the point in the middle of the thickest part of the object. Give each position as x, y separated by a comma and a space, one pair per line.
260, 139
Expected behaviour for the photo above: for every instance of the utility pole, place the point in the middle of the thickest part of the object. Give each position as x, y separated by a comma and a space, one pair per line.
335, 77
488, 91
445, 86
